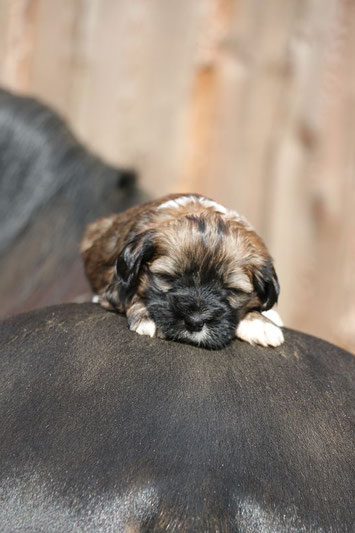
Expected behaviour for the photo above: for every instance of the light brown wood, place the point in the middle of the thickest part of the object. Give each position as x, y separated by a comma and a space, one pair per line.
249, 102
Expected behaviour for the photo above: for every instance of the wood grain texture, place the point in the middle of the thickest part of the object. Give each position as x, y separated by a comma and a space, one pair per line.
251, 103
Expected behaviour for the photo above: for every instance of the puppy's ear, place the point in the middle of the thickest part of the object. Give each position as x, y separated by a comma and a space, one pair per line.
129, 262
266, 285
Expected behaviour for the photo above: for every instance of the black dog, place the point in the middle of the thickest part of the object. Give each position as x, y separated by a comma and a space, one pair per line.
51, 186
104, 430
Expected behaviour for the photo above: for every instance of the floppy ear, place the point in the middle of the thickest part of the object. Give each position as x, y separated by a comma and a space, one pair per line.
266, 285
132, 257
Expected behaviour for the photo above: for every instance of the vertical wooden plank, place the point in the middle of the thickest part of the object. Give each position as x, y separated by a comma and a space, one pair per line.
250, 66
202, 101
247, 101
261, 50
132, 105
53, 64
84, 45
4, 25
17, 27
291, 224
333, 293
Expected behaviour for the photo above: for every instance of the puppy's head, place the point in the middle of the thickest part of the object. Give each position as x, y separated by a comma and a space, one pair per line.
198, 276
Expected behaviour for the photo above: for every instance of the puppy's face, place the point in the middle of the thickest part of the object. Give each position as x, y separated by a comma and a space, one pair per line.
192, 307
199, 276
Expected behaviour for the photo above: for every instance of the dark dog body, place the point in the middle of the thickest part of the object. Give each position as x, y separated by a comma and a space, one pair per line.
104, 430
51, 186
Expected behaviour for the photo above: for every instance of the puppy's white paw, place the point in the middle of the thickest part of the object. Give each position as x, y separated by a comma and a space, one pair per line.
259, 330
95, 299
144, 327
274, 316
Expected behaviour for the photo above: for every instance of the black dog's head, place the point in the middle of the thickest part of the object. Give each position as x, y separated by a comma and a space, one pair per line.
198, 276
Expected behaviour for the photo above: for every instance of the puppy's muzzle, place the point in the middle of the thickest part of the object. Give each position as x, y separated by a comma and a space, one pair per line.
194, 323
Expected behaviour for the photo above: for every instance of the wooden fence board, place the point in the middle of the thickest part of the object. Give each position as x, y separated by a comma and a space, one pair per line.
247, 101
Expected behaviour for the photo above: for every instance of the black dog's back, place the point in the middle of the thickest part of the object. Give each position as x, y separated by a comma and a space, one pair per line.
104, 430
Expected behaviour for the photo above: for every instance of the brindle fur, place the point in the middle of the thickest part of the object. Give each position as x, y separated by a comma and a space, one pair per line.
185, 237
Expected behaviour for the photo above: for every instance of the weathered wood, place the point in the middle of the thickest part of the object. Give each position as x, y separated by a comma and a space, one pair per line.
250, 102
18, 25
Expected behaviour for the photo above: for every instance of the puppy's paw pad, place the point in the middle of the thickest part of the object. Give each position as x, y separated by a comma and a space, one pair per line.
259, 331
144, 327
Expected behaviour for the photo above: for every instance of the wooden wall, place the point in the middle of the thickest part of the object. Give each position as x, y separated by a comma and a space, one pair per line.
251, 102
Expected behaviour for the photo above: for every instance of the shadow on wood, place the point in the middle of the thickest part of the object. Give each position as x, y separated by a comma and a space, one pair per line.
104, 430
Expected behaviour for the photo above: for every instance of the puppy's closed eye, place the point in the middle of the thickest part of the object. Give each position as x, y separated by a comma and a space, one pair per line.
237, 297
164, 282
164, 277
236, 291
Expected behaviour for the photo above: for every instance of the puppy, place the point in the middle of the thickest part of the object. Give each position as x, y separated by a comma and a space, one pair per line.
184, 268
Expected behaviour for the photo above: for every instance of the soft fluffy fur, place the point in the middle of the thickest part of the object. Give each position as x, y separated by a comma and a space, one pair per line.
184, 268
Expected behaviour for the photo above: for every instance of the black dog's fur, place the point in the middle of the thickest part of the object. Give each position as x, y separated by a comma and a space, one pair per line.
104, 430
51, 186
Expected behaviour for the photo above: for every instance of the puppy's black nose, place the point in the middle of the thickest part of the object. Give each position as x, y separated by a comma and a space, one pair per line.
194, 323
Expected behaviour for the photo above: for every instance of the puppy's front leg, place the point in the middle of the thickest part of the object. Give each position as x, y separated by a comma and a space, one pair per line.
108, 298
256, 328
139, 319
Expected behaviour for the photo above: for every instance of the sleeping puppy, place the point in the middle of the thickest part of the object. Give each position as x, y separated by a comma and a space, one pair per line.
184, 268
